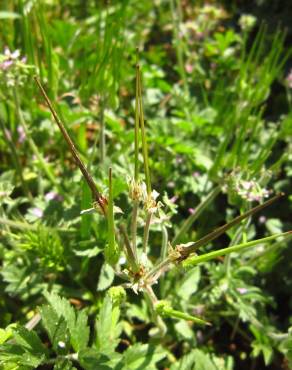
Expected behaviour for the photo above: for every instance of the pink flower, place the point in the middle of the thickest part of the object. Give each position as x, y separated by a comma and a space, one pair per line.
174, 199
242, 290
21, 133
37, 212
191, 211
189, 67
53, 196
6, 64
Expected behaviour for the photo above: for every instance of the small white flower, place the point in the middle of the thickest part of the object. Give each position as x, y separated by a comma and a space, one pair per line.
61, 344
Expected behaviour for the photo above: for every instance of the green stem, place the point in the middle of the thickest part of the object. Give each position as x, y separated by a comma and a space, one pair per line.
134, 227
102, 144
146, 232
110, 213
143, 135
131, 258
164, 243
158, 269
136, 174
152, 300
193, 261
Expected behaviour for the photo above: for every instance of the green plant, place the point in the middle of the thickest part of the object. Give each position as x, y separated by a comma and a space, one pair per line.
215, 108
139, 274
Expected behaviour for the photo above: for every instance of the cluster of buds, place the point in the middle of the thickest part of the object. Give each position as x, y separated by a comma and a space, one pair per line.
150, 203
138, 193
137, 190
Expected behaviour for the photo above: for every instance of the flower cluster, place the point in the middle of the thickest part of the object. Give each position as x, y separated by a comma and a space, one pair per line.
13, 68
249, 190
247, 22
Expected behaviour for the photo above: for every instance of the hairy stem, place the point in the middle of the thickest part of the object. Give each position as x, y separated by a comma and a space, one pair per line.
134, 227
152, 299
131, 258
146, 231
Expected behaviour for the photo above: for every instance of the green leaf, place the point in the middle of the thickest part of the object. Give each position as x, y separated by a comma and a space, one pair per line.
184, 331
198, 360
91, 359
55, 326
5, 334
6, 187
185, 363
15, 354
262, 345
29, 340
64, 365
107, 327
142, 356
203, 361
90, 252
189, 284
76, 320
106, 277
27, 349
